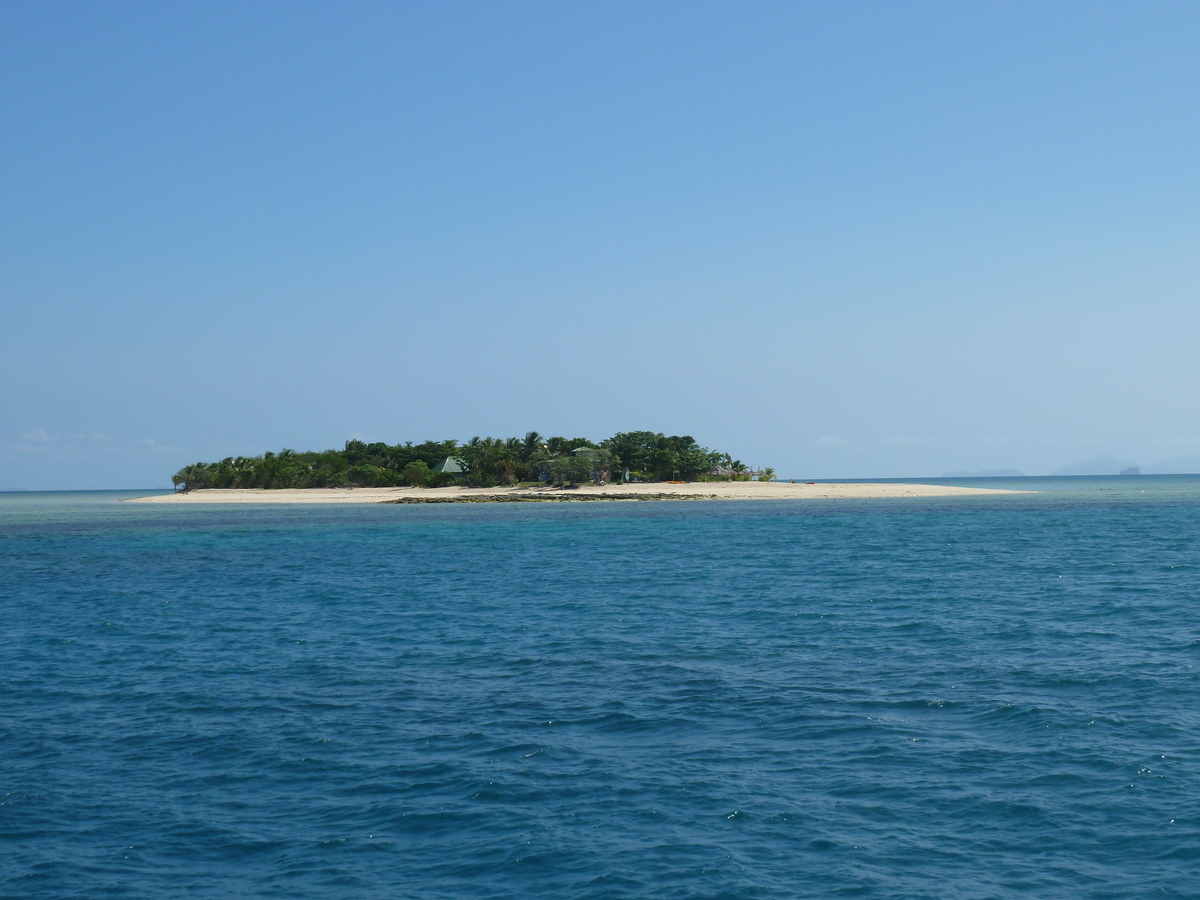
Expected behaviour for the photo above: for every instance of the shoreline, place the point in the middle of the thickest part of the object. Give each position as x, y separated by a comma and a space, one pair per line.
644, 491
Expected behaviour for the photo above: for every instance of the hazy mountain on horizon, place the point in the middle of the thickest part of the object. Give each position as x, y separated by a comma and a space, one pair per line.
1100, 465
1183, 465
986, 473
1106, 465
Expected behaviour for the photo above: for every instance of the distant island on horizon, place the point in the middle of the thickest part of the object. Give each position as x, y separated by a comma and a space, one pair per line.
1097, 466
480, 462
987, 473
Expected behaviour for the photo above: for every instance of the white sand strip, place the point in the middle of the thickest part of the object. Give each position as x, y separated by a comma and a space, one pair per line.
696, 490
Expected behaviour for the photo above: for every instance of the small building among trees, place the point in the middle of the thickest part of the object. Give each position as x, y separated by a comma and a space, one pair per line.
449, 466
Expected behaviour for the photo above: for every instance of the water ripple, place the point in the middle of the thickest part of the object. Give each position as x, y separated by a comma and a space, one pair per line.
976, 699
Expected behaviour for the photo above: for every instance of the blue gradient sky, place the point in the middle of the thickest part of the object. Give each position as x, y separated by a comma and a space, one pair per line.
838, 239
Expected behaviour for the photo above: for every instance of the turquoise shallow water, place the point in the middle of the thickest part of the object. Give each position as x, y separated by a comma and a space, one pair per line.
974, 697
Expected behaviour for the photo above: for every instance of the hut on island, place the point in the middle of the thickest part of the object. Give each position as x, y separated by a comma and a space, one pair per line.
449, 466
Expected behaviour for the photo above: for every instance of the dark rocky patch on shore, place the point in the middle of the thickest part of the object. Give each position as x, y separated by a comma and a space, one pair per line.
554, 498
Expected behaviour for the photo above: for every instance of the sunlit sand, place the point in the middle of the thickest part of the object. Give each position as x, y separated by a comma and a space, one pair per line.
737, 490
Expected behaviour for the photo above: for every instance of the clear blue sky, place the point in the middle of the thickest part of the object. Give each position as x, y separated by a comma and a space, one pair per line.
872, 239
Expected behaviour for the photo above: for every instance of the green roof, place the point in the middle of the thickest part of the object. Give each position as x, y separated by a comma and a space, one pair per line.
449, 465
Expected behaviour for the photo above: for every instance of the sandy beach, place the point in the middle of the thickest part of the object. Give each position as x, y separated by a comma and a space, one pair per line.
737, 490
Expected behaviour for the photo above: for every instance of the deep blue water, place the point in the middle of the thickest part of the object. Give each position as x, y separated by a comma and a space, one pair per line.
974, 697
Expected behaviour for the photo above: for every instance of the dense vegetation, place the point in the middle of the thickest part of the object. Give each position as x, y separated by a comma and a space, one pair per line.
485, 462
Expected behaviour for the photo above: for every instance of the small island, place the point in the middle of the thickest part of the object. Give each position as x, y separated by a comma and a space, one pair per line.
634, 456
635, 465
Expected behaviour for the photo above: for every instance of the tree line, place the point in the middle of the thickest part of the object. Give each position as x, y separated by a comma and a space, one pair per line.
485, 462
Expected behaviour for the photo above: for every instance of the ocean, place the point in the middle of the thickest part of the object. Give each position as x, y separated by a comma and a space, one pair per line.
970, 697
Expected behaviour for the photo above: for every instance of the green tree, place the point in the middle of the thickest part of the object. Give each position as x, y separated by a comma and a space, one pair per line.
531, 445
659, 457
416, 474
569, 469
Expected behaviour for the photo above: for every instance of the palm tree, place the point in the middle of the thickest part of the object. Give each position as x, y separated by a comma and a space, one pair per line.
558, 446
531, 445
767, 474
